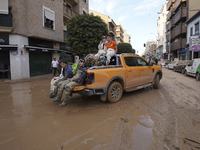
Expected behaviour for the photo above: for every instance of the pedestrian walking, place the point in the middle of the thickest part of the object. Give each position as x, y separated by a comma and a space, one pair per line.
54, 65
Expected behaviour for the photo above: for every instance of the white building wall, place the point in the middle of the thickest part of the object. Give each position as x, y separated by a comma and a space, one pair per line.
19, 64
192, 24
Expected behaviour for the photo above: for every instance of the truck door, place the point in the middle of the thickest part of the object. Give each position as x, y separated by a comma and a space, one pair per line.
146, 71
132, 72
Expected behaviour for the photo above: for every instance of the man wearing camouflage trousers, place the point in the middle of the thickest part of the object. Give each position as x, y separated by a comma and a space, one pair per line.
77, 80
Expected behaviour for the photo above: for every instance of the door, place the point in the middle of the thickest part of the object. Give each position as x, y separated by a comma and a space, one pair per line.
132, 72
40, 63
146, 71
190, 67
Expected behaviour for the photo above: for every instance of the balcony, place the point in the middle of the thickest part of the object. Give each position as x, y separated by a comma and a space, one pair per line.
68, 12
72, 2
6, 24
179, 29
177, 4
169, 15
178, 44
169, 4
182, 13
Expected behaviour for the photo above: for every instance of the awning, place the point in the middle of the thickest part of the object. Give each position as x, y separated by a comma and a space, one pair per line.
42, 49
183, 51
8, 47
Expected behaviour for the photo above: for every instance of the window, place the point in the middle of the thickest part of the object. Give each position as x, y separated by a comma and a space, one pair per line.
141, 62
48, 18
85, 1
197, 28
130, 61
84, 12
191, 31
4, 7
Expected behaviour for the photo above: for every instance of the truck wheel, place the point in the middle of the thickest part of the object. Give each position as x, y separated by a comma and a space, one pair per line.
115, 92
156, 82
198, 77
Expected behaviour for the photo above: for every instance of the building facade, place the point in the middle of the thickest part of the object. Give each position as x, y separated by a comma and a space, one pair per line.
127, 37
179, 12
33, 32
150, 49
109, 22
161, 25
120, 33
193, 36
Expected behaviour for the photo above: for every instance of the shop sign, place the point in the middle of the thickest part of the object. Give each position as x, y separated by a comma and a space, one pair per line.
14, 52
194, 43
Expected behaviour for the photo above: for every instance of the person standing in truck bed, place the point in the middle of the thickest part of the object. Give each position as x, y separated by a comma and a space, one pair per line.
110, 48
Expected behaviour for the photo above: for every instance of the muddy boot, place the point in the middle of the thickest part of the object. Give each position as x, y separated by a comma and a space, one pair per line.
63, 104
52, 95
56, 100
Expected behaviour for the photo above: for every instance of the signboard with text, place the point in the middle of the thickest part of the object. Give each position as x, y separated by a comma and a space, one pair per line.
195, 43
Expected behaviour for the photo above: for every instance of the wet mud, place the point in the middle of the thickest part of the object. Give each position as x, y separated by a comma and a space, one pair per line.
148, 119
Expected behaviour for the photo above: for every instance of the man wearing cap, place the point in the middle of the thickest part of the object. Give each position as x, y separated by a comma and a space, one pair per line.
54, 65
78, 79
101, 47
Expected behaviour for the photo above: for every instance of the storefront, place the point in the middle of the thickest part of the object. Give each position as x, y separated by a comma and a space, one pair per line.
40, 59
5, 51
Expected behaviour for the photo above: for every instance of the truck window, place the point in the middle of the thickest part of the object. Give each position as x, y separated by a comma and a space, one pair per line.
130, 61
141, 62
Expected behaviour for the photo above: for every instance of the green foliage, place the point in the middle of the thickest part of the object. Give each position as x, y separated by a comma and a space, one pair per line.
125, 48
84, 33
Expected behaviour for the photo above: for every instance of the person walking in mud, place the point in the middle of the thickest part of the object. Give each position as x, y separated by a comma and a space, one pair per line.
77, 80
59, 81
54, 66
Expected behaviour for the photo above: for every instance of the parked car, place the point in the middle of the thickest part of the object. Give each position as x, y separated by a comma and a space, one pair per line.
193, 68
129, 72
172, 64
163, 63
180, 67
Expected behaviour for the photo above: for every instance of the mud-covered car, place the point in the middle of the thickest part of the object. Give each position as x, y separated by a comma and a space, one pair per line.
180, 67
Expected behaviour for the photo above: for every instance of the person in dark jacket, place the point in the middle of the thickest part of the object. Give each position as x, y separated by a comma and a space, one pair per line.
66, 73
78, 79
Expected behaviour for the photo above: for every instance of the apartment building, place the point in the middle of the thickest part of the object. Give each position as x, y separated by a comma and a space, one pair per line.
161, 26
109, 22
150, 49
127, 37
33, 32
193, 36
179, 12
120, 33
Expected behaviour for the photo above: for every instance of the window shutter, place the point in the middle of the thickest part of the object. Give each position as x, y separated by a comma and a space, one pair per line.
3, 6
49, 15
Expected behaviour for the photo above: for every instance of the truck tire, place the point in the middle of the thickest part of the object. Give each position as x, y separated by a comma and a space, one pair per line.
156, 82
115, 92
198, 77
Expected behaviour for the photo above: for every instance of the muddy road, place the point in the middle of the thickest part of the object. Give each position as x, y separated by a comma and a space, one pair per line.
148, 119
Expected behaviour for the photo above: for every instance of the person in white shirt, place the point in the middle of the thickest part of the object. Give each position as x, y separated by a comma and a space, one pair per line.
101, 47
54, 65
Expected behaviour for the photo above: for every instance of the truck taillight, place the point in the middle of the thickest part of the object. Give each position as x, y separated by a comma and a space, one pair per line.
90, 78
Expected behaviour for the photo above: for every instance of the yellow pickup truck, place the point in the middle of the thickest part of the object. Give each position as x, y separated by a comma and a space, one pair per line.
126, 72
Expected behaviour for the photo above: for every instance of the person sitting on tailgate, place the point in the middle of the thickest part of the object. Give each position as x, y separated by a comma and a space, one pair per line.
110, 49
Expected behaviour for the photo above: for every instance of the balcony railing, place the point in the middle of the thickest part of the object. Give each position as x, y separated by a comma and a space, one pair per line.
182, 13
69, 12
179, 29
6, 20
112, 30
169, 4
177, 4
178, 44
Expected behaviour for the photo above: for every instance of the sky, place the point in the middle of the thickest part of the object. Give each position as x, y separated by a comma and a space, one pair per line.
137, 17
